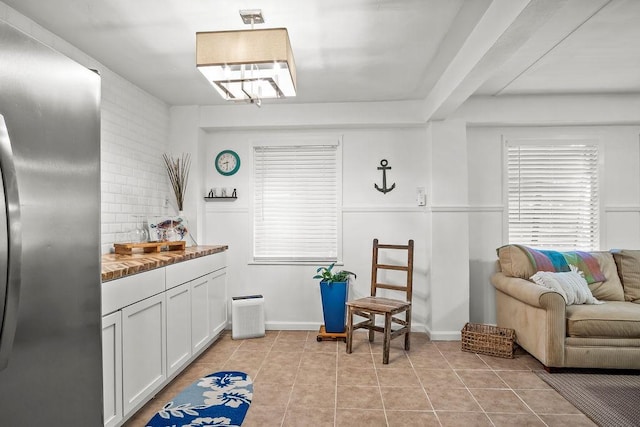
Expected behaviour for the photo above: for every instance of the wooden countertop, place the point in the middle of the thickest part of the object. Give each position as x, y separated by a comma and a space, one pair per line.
115, 266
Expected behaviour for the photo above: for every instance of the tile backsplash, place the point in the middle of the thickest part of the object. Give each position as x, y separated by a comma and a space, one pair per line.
135, 126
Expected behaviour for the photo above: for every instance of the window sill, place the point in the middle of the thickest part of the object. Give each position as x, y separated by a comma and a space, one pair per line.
296, 263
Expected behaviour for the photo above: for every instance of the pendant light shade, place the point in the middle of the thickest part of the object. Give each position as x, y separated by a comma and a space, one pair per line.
247, 65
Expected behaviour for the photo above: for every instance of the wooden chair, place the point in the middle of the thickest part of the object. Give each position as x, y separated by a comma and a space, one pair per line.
368, 307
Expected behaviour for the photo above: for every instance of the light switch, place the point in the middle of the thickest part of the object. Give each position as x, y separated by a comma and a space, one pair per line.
421, 196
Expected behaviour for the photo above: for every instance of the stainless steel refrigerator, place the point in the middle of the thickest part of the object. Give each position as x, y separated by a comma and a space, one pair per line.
50, 333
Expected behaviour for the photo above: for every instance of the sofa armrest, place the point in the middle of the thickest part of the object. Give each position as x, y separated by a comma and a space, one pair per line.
537, 314
523, 290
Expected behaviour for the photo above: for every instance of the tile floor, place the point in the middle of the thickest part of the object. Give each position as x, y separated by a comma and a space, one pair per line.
299, 381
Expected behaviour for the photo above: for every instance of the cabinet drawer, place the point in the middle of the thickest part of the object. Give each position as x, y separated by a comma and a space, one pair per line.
120, 293
182, 272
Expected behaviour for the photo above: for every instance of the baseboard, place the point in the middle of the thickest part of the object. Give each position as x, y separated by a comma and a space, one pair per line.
314, 326
444, 335
292, 326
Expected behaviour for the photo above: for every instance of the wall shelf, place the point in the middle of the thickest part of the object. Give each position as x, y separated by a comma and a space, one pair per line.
219, 199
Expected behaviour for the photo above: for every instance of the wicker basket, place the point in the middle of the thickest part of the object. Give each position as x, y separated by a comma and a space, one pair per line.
489, 340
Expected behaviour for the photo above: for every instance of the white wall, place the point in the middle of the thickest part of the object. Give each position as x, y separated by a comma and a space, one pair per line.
134, 134
462, 225
292, 297
619, 186
450, 229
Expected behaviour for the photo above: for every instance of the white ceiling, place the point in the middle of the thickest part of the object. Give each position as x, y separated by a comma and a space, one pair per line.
590, 46
440, 51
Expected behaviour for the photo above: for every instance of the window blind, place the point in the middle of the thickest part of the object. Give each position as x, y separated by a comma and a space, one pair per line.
553, 196
295, 209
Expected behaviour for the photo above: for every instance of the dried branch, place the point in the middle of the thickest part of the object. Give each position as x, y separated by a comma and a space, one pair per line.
178, 171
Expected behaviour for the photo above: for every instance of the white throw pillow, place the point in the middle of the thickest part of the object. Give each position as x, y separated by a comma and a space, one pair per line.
571, 285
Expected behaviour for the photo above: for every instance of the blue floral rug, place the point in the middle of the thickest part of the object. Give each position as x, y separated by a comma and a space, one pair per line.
219, 399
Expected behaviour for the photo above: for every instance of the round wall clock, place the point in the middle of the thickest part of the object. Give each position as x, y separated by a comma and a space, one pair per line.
227, 162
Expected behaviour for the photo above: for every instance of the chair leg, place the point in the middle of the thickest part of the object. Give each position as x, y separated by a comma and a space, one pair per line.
387, 339
349, 329
371, 323
407, 336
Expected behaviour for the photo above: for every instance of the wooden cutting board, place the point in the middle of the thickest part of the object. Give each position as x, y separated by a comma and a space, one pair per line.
148, 247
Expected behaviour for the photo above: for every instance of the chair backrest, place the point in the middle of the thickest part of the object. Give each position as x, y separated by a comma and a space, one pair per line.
375, 266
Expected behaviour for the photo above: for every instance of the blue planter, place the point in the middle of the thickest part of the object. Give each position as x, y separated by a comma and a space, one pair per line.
334, 298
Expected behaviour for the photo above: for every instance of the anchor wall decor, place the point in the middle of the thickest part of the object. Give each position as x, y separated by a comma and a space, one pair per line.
383, 167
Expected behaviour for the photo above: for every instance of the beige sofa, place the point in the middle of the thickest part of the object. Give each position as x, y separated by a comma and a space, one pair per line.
577, 336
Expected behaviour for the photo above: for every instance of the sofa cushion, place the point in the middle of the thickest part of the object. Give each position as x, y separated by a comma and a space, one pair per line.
610, 289
628, 264
514, 262
614, 319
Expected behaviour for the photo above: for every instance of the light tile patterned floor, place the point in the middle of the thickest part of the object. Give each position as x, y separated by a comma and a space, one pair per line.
299, 381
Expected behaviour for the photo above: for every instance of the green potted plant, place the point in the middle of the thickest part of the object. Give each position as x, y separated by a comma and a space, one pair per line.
334, 291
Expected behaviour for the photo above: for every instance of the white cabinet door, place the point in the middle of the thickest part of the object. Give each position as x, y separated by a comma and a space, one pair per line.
143, 349
178, 327
217, 301
112, 368
200, 332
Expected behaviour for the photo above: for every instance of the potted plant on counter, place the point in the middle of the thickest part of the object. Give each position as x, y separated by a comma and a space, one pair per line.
334, 291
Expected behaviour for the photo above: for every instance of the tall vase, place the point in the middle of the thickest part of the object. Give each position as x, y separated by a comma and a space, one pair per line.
334, 299
183, 230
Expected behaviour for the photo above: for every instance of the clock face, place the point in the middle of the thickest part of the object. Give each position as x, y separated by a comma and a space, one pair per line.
227, 162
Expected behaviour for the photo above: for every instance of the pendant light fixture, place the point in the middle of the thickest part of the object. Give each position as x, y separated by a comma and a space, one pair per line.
248, 65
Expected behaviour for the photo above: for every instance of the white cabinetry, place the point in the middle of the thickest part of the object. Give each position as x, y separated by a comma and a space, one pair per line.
155, 323
112, 368
143, 349
217, 301
200, 332
178, 327
208, 296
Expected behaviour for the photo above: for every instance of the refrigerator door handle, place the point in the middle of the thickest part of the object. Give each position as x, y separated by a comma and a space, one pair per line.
10, 246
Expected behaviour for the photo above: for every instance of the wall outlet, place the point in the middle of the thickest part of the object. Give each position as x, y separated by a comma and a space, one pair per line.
421, 196
166, 202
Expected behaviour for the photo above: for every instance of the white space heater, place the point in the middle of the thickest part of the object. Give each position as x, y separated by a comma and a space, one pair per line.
247, 317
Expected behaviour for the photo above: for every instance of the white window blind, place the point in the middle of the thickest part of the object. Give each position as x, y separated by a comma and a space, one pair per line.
553, 196
295, 210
